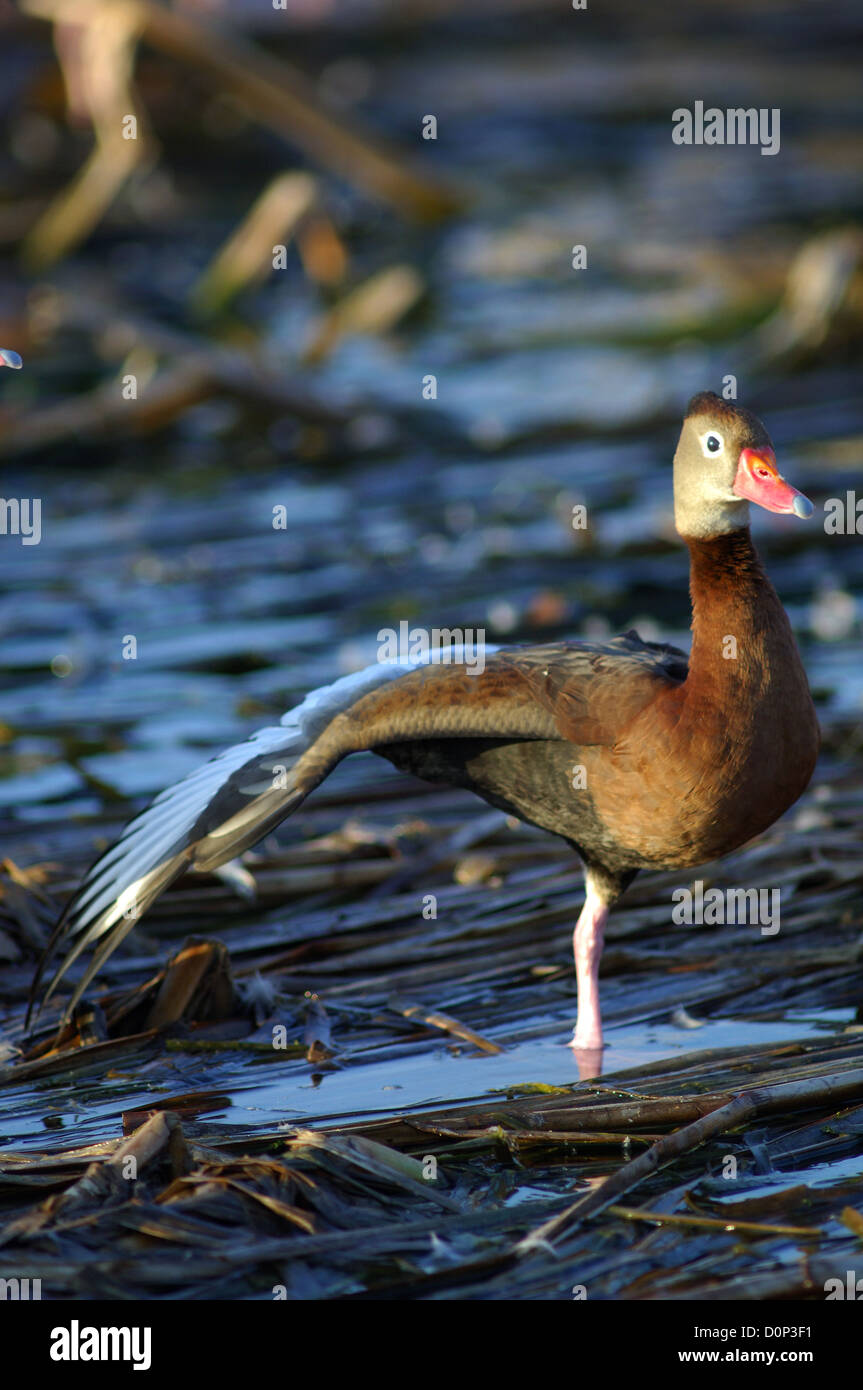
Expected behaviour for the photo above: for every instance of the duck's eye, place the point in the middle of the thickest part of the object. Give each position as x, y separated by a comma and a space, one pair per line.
713, 443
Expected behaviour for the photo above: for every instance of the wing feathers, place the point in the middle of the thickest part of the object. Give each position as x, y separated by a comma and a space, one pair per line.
213, 814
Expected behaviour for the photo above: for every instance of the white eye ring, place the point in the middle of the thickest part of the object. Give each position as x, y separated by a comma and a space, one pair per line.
712, 437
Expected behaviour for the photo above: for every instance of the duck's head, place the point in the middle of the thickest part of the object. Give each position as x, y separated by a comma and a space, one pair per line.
725, 460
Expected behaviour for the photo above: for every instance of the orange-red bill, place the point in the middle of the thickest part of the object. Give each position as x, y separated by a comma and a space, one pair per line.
759, 480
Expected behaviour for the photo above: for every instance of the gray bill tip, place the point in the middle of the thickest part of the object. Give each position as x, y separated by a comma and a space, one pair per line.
802, 506
10, 358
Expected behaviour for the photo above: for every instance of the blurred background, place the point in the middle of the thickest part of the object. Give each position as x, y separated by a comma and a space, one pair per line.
423, 382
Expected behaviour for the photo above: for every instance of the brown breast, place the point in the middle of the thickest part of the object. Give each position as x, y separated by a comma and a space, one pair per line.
710, 764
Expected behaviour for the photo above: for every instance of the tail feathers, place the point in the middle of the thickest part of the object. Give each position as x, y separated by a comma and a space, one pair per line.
215, 813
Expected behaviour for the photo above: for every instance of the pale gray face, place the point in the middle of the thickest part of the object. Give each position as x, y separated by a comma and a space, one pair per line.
724, 460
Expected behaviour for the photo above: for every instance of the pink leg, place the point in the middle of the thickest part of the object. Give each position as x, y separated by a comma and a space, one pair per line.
587, 942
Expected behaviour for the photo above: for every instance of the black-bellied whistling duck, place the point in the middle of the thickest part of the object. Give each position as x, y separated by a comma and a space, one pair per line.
637, 757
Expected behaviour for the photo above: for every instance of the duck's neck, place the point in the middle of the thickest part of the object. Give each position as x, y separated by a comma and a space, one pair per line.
741, 638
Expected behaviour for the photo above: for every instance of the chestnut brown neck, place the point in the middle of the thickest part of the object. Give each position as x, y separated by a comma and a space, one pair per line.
742, 643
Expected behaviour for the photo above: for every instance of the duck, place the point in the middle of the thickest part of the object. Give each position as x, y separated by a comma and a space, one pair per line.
638, 756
